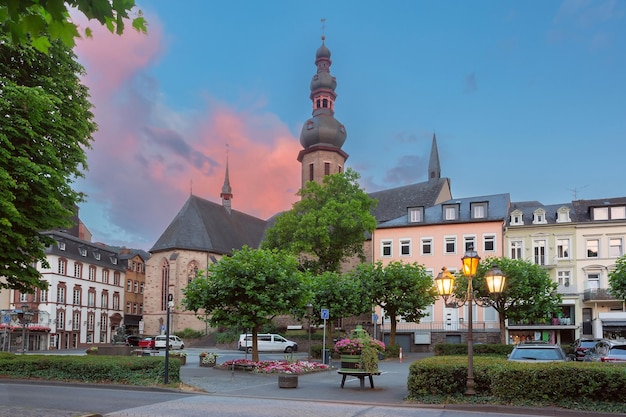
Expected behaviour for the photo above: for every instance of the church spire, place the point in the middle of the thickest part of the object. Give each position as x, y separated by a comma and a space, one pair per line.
434, 168
227, 192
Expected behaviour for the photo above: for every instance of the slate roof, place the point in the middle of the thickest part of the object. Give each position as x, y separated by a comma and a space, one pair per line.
393, 203
528, 208
583, 207
497, 210
206, 226
73, 246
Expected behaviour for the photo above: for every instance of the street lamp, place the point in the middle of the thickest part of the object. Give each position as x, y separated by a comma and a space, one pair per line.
309, 312
445, 286
25, 317
170, 304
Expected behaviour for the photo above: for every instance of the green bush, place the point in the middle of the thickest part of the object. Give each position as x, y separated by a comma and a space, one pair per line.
443, 349
188, 333
514, 382
392, 351
147, 371
226, 336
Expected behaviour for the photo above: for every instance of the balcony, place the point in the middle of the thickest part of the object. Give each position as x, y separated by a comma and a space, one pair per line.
598, 294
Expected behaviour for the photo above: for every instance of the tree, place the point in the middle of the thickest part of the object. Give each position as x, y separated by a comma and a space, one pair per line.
530, 293
344, 295
617, 279
400, 289
328, 225
247, 289
45, 125
41, 22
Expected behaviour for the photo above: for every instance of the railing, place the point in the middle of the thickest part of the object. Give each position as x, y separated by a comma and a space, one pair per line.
594, 294
445, 326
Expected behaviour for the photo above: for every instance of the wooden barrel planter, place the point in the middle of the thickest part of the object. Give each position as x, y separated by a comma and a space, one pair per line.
288, 381
350, 363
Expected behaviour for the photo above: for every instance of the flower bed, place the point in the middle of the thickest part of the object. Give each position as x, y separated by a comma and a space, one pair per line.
276, 367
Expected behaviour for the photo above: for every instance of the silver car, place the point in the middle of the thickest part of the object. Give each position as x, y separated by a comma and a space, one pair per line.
538, 352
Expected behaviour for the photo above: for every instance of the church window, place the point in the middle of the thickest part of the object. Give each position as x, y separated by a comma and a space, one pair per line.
311, 172
325, 103
326, 168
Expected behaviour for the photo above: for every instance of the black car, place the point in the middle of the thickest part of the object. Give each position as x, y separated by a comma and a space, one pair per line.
132, 340
581, 346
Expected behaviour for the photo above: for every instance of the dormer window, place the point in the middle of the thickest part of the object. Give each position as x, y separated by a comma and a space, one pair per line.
539, 216
96, 255
61, 245
517, 217
479, 210
83, 251
562, 215
113, 260
416, 214
609, 213
450, 212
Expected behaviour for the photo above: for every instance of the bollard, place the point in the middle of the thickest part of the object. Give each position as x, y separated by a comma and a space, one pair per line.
400, 356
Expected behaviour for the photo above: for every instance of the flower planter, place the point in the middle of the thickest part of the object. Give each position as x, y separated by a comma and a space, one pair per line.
207, 365
182, 359
288, 381
351, 363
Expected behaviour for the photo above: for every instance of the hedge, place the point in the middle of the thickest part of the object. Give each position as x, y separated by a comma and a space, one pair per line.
131, 370
516, 381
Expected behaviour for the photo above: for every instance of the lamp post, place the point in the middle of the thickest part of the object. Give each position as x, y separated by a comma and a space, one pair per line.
170, 304
309, 312
445, 286
25, 317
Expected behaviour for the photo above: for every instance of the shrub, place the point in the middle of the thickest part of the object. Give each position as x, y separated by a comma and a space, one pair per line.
392, 351
147, 371
442, 349
188, 333
227, 335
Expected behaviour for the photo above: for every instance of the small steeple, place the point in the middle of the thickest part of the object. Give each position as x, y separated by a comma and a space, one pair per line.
227, 192
434, 168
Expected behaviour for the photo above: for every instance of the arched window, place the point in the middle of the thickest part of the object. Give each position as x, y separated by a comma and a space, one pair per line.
165, 283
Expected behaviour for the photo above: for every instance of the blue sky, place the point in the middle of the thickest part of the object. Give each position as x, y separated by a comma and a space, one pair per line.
526, 98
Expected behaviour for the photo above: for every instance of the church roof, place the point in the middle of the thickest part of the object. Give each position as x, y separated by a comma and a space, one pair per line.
393, 203
206, 226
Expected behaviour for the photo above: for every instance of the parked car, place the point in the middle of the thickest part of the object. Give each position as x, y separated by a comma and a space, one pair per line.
133, 340
174, 343
607, 351
147, 343
581, 346
267, 342
538, 352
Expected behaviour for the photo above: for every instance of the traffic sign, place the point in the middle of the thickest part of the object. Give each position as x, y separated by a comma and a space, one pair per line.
325, 314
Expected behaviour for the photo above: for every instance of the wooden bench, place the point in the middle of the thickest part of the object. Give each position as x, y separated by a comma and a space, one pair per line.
361, 376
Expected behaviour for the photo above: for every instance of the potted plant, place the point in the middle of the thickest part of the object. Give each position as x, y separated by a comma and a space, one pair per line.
208, 359
180, 355
359, 352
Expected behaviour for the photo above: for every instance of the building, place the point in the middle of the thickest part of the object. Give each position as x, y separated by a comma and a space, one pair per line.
135, 282
435, 237
82, 306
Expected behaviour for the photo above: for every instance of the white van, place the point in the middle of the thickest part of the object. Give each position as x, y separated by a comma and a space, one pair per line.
267, 342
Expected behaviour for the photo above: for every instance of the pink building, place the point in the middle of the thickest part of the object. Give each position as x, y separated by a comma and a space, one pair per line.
438, 236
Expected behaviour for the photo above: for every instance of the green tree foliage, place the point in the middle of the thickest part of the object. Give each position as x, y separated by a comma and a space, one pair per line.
247, 289
400, 289
328, 225
617, 279
45, 125
41, 22
344, 295
529, 293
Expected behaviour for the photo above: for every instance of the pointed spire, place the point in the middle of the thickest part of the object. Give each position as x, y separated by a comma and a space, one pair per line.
434, 168
227, 192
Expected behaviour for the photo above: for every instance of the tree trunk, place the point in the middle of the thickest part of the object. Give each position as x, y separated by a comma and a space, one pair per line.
255, 345
392, 330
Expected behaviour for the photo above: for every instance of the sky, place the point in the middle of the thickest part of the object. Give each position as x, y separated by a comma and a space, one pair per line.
525, 97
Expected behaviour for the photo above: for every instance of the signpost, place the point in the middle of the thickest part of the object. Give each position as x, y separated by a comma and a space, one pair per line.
325, 314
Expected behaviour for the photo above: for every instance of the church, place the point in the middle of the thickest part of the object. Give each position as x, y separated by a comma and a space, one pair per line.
204, 231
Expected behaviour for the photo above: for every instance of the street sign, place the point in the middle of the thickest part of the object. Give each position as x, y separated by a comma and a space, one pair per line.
325, 314
375, 318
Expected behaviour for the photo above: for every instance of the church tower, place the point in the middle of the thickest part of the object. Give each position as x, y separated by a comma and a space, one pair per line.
434, 167
227, 192
322, 135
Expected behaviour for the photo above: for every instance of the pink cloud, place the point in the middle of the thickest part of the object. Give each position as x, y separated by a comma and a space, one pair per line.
146, 156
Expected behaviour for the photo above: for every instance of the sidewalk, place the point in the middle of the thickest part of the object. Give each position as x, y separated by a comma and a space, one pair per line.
389, 387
